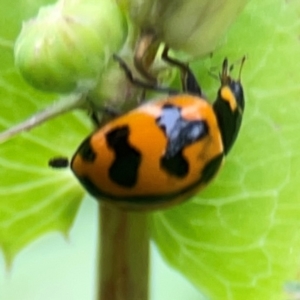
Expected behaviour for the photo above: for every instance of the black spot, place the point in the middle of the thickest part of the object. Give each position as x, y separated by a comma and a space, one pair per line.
180, 134
86, 151
175, 165
124, 169
211, 168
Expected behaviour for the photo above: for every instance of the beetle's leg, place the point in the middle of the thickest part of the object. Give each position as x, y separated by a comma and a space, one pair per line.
97, 115
140, 83
144, 54
188, 79
59, 162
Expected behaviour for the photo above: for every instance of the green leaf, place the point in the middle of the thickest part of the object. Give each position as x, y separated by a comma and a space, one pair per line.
34, 199
240, 238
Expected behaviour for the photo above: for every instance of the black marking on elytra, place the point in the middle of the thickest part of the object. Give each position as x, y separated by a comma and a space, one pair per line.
86, 151
211, 168
180, 133
124, 169
155, 199
175, 165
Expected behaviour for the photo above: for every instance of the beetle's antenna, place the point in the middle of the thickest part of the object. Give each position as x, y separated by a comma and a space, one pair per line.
224, 75
241, 67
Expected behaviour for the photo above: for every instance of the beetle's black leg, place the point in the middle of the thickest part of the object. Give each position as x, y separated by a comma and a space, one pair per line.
140, 83
109, 112
188, 79
58, 162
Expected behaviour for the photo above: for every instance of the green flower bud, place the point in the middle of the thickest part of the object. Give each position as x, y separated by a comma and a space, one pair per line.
69, 44
193, 26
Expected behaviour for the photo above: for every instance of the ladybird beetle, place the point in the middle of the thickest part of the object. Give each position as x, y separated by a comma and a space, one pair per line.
165, 150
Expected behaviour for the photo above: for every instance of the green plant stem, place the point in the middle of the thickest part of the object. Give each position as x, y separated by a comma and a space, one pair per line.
124, 254
63, 105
